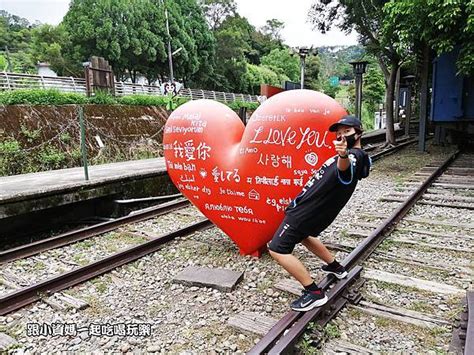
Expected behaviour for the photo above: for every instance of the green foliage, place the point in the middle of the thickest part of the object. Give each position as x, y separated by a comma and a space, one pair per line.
3, 63
368, 117
65, 137
335, 60
15, 34
230, 56
218, 10
102, 98
30, 135
367, 18
52, 44
442, 24
273, 29
373, 93
238, 104
238, 43
11, 157
329, 89
40, 97
332, 331
137, 43
259, 74
312, 73
283, 62
143, 100
52, 158
54, 97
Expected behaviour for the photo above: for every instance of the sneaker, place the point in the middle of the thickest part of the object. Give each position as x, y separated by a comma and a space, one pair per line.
309, 300
340, 272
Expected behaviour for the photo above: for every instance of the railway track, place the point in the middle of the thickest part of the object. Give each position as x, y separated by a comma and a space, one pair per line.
449, 187
29, 294
88, 232
43, 289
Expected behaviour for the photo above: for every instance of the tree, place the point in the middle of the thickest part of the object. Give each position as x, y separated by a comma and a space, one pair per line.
374, 88
256, 75
15, 36
217, 11
442, 25
367, 18
282, 61
48, 45
205, 44
256, 44
273, 28
312, 70
132, 36
3, 63
230, 60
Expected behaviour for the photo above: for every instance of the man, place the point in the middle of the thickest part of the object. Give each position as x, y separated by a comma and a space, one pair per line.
316, 207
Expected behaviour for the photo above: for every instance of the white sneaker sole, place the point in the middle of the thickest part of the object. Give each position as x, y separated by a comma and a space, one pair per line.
315, 304
339, 276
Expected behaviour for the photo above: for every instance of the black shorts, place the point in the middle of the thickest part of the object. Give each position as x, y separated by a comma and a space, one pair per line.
286, 237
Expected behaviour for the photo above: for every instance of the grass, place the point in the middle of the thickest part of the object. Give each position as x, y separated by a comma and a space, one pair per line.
80, 259
102, 283
39, 265
332, 330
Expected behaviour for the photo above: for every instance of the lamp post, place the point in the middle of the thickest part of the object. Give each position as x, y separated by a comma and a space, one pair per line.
359, 68
303, 52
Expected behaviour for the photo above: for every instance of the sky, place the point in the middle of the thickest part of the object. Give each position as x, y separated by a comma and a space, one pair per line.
297, 31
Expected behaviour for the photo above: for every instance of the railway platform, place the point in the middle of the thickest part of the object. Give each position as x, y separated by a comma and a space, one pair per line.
22, 195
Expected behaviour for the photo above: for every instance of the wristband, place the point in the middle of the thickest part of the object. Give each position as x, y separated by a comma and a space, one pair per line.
345, 155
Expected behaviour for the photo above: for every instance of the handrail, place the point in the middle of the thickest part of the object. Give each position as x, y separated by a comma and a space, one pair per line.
16, 81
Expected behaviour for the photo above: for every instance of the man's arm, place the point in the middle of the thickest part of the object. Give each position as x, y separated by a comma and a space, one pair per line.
343, 162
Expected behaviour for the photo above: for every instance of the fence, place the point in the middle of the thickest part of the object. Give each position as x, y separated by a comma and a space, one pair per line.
14, 81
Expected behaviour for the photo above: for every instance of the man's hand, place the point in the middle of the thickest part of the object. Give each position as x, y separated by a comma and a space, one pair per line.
341, 147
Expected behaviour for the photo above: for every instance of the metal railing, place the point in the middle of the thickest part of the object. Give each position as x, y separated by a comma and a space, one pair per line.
14, 81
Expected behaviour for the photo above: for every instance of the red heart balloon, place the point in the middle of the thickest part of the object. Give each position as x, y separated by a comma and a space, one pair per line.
240, 177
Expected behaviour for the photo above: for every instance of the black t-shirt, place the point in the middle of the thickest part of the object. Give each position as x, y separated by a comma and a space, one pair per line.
326, 193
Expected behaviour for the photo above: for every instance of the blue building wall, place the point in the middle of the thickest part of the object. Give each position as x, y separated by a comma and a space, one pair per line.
452, 95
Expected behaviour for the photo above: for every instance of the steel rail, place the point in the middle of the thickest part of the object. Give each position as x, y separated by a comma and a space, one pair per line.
391, 150
87, 232
30, 294
469, 345
294, 323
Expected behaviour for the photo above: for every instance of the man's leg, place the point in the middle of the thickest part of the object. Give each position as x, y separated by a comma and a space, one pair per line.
281, 248
295, 267
319, 249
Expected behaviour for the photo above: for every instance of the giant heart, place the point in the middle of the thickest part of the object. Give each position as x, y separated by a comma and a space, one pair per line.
242, 178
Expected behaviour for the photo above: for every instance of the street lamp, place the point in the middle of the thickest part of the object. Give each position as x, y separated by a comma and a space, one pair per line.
303, 52
359, 68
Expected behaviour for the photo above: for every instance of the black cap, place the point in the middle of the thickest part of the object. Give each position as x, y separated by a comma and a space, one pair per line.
351, 121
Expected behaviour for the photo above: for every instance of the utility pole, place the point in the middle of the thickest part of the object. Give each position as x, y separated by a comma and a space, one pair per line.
170, 55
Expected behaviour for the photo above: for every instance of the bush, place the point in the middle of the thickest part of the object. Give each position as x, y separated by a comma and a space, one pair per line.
55, 97
143, 100
40, 97
238, 104
102, 98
